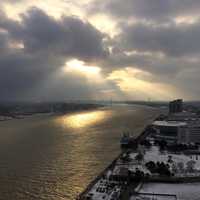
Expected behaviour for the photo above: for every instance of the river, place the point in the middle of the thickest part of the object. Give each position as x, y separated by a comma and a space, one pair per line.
54, 157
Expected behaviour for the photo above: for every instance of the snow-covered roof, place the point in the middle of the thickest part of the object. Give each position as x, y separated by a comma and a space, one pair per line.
169, 123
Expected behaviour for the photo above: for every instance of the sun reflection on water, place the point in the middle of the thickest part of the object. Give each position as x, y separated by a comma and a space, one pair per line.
82, 120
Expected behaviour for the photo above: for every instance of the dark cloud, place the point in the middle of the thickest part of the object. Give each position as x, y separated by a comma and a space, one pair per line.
174, 40
182, 74
3, 42
70, 36
151, 40
47, 43
146, 9
152, 63
73, 86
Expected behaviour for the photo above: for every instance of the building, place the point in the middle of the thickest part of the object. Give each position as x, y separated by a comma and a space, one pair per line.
173, 131
184, 116
194, 132
176, 106
193, 122
120, 173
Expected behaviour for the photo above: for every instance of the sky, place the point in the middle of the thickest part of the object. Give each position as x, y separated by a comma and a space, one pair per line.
56, 50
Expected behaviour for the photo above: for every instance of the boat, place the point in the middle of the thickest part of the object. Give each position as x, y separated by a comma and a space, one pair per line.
126, 140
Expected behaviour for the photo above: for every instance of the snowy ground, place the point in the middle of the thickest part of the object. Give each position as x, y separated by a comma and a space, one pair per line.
153, 154
152, 197
106, 190
190, 191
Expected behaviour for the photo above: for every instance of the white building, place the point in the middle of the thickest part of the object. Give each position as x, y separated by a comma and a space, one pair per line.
183, 117
194, 130
172, 131
193, 121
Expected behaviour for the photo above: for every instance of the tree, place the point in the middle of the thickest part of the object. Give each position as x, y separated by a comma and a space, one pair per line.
170, 159
151, 166
190, 166
180, 166
139, 157
174, 168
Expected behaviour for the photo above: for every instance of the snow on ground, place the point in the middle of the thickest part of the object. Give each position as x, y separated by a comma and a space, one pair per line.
103, 191
152, 197
186, 191
154, 154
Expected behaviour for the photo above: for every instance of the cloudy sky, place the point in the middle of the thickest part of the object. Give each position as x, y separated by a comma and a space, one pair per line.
99, 49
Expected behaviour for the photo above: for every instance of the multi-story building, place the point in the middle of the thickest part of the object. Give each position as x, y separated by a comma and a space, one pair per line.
176, 106
193, 123
172, 131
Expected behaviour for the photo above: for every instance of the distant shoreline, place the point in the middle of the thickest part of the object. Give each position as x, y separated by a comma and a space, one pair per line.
84, 108
4, 118
9, 118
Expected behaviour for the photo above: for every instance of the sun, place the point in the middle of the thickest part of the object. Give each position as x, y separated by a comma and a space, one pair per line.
79, 66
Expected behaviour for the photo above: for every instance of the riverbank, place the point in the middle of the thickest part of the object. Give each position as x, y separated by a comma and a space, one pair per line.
84, 195
21, 115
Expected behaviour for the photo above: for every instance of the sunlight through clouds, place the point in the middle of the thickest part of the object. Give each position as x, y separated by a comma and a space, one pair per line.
79, 66
134, 83
157, 40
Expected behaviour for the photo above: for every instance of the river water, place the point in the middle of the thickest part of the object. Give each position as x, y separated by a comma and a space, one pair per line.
55, 157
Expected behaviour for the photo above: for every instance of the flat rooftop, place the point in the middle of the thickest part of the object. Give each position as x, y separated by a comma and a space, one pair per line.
183, 191
169, 123
184, 114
